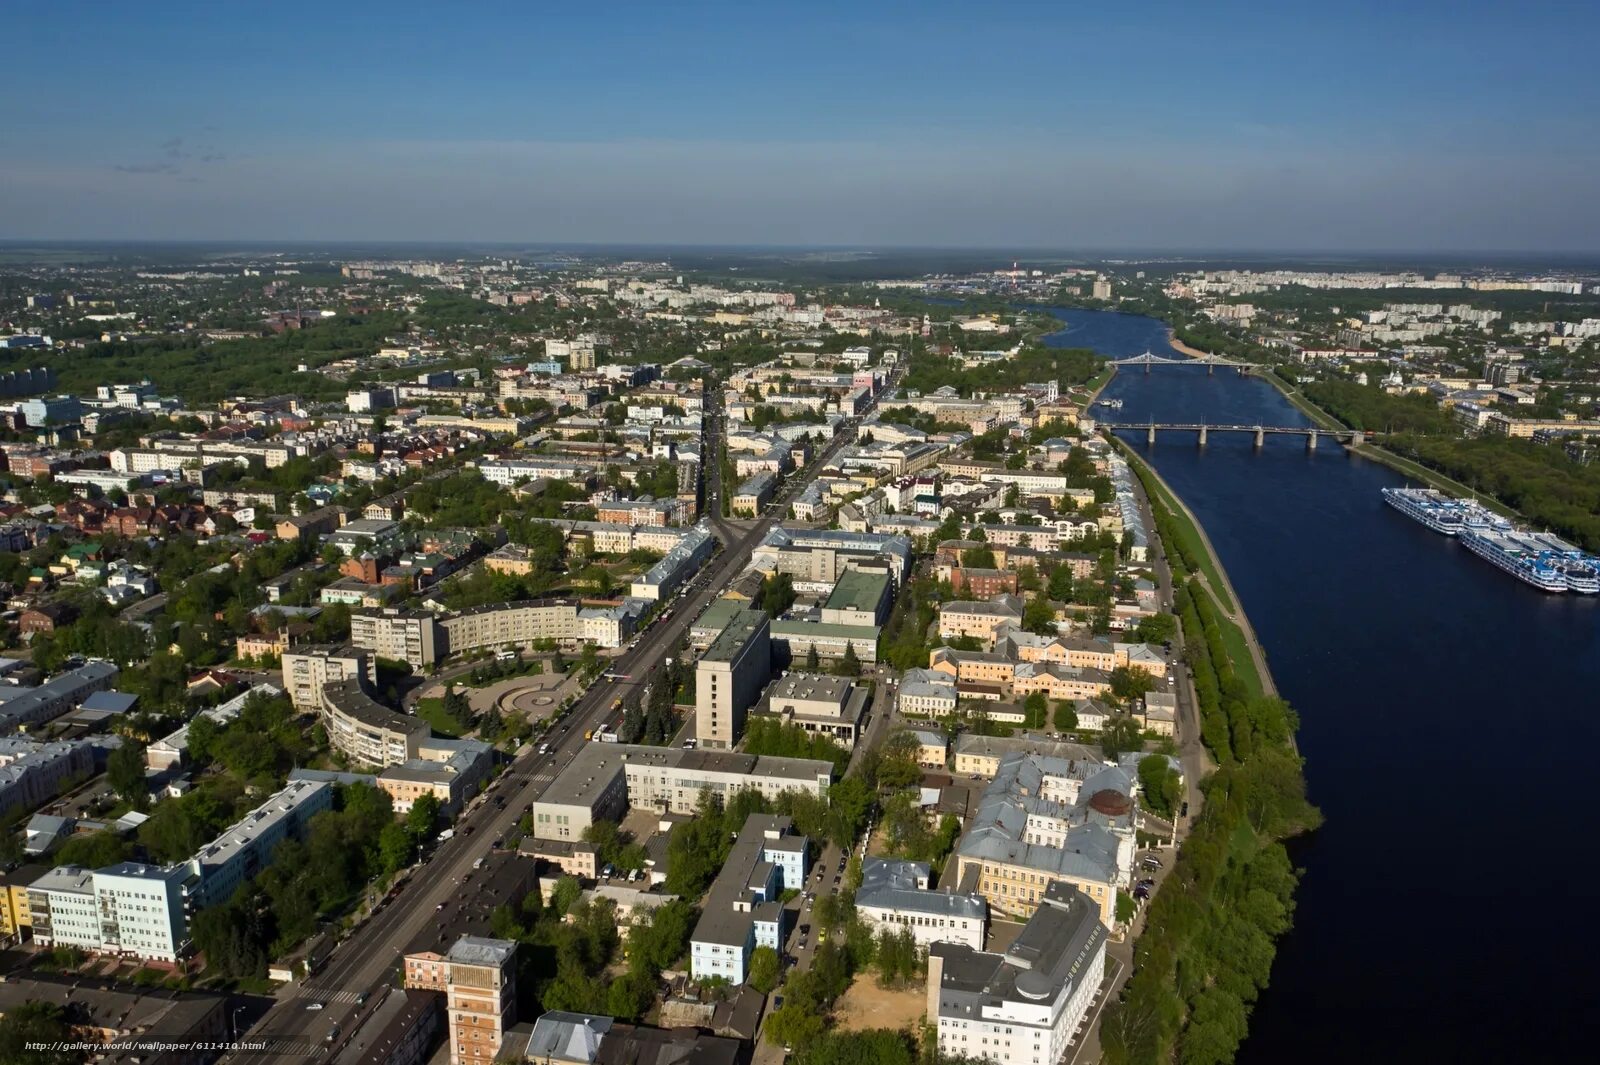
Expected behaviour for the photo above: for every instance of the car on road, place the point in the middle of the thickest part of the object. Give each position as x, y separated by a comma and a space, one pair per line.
361, 999
333, 1033
313, 1005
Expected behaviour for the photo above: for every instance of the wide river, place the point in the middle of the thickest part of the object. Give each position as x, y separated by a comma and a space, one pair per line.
1450, 721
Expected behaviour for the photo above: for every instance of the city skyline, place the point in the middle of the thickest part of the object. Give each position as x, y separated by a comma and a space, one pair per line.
1363, 130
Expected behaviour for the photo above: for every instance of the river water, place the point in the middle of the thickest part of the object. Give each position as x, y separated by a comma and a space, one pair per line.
1448, 716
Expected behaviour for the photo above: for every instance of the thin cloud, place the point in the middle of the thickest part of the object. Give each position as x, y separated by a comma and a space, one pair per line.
146, 168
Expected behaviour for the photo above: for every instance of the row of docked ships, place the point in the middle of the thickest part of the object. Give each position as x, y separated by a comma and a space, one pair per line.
1547, 562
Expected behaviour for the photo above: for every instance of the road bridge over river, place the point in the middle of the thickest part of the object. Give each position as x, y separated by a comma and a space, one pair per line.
1353, 437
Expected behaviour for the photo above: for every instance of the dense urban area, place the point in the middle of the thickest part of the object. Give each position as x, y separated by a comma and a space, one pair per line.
574, 660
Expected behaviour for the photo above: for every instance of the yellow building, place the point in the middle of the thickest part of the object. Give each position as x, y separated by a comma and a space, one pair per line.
15, 919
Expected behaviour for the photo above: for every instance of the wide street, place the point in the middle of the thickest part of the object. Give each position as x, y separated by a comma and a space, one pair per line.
368, 956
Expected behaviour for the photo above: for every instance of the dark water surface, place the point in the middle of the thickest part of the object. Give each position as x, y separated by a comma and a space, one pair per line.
1449, 718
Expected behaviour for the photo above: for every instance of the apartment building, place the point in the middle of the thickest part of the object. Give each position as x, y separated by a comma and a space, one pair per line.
403, 635
729, 678
926, 693
25, 708
308, 670
480, 986
366, 731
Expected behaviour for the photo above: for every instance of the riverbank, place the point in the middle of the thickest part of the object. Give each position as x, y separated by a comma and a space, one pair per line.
1182, 348
1382, 455
1198, 556
1203, 959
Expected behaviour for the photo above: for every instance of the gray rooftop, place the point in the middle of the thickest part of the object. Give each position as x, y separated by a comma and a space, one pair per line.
479, 950
1051, 956
595, 765
894, 885
730, 642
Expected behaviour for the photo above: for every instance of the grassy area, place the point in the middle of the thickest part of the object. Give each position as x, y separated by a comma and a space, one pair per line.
1317, 415
1190, 543
1238, 649
432, 711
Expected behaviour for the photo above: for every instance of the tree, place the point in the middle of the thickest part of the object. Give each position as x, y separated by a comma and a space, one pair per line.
1160, 785
1120, 736
422, 817
1157, 628
978, 558
566, 894
813, 663
395, 847
1066, 716
27, 1028
1034, 709
849, 665
1060, 584
203, 730
898, 767
125, 774
1039, 615
764, 970
777, 594
1129, 683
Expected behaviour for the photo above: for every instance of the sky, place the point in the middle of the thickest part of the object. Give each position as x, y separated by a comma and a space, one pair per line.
1408, 126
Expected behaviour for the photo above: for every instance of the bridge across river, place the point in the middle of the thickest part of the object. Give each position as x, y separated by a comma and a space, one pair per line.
1353, 437
1210, 362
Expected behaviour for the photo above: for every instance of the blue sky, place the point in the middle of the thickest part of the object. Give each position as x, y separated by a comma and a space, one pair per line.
1407, 126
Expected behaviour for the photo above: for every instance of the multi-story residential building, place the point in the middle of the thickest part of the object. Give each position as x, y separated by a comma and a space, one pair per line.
25, 708
142, 910
32, 773
246, 847
894, 896
403, 635
681, 562
603, 779
754, 493
1022, 1007
982, 667
308, 670
451, 770
978, 583
729, 678
366, 731
980, 756
480, 986
742, 910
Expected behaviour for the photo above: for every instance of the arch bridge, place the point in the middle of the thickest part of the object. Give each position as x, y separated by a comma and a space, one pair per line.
1210, 362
